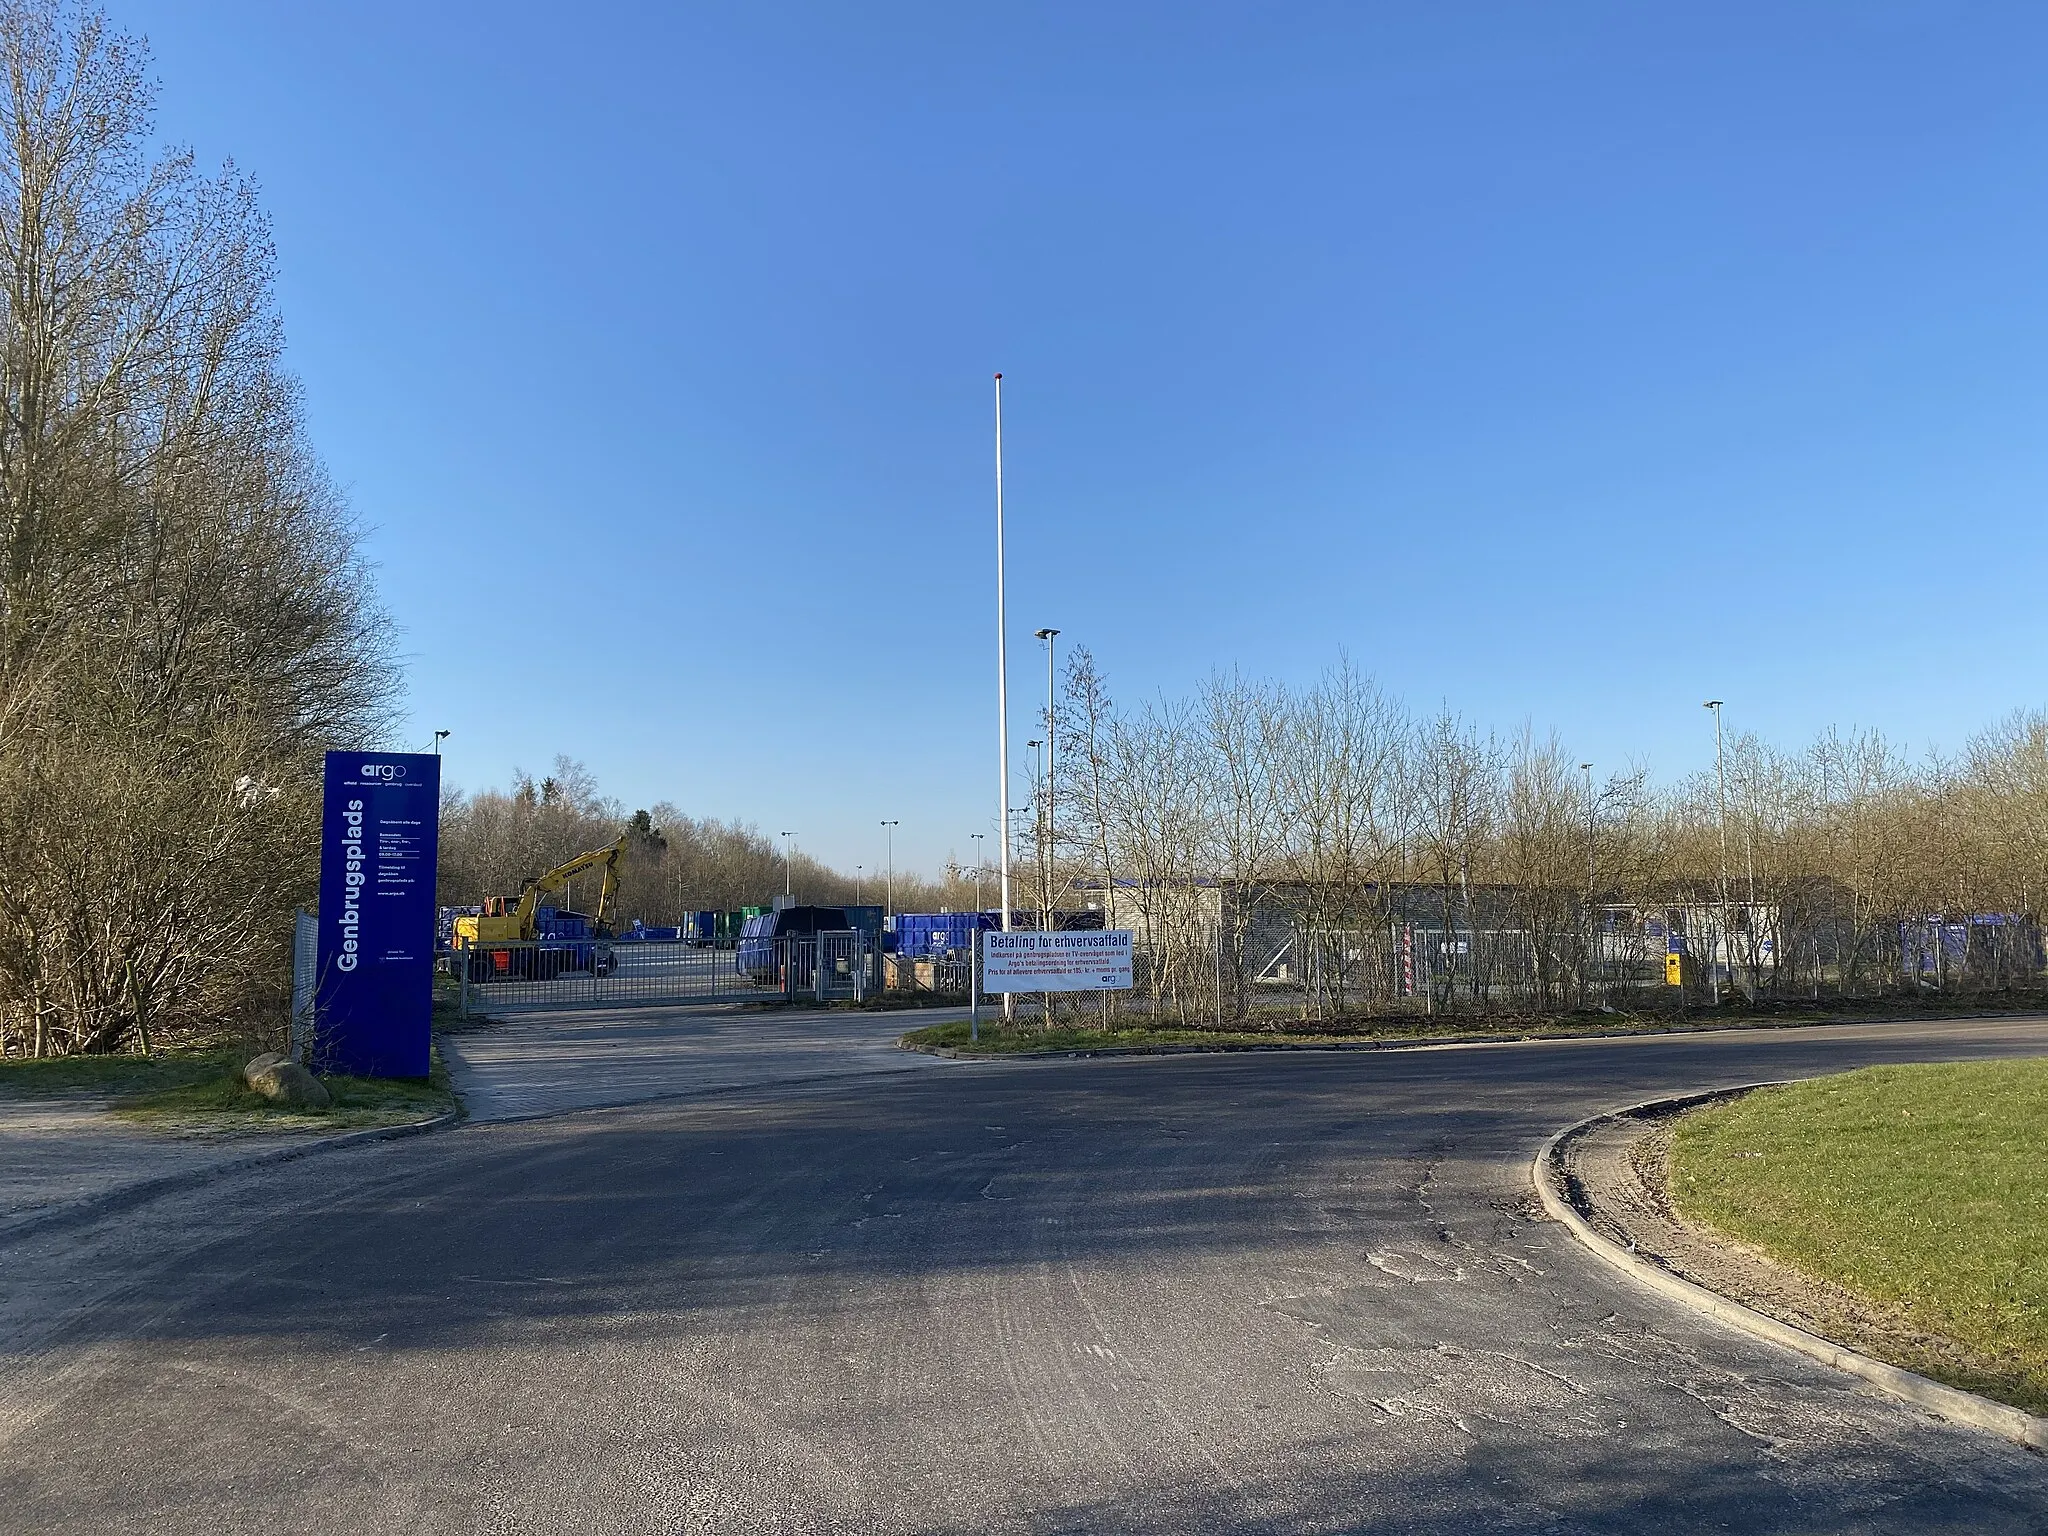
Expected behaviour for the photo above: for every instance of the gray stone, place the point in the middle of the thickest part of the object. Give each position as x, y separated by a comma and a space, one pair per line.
286, 1082
266, 1060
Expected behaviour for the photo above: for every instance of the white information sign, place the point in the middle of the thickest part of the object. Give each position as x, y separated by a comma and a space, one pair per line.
1098, 961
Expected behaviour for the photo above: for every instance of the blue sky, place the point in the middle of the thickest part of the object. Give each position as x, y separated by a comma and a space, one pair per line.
1566, 364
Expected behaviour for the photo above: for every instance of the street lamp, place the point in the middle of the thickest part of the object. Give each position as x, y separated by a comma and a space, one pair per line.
889, 891
1592, 922
1046, 795
1010, 823
439, 737
1038, 820
1592, 824
1721, 774
856, 883
786, 856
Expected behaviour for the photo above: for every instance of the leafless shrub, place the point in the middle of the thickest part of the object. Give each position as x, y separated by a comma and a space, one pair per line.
184, 622
1523, 881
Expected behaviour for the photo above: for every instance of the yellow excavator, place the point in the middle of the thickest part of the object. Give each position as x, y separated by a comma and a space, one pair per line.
515, 920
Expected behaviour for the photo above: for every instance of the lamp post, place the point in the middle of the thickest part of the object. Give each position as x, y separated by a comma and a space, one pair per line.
786, 856
1592, 829
1721, 775
1047, 794
1010, 822
980, 868
889, 891
439, 737
1038, 820
1592, 922
856, 883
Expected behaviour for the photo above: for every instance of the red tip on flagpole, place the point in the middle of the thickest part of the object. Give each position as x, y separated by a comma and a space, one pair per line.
999, 375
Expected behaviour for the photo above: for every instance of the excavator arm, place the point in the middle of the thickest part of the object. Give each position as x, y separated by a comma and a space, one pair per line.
508, 919
555, 879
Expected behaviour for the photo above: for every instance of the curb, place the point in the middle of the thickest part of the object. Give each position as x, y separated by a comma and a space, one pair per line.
1427, 1042
1951, 1403
92, 1207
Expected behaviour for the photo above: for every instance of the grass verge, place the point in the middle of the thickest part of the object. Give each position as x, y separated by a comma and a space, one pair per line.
1921, 1189
1028, 1036
118, 1075
996, 1040
200, 1088
1000, 1040
225, 1103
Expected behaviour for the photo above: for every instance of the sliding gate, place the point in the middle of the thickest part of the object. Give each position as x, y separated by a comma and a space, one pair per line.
822, 968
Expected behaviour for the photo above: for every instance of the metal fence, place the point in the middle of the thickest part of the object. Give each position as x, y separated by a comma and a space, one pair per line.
506, 976
928, 976
305, 966
1401, 967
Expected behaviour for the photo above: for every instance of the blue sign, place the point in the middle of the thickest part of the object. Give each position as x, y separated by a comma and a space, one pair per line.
380, 837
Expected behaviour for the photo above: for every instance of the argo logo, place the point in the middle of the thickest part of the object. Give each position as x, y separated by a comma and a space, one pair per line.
385, 771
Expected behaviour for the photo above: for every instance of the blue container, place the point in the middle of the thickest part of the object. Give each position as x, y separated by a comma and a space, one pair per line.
562, 925
936, 935
754, 956
867, 920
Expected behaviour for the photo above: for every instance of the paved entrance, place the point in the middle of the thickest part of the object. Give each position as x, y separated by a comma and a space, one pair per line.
1189, 1295
585, 1058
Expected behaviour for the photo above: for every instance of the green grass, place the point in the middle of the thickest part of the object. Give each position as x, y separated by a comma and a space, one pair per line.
997, 1040
201, 1088
1923, 1189
112, 1076
1027, 1036
225, 1102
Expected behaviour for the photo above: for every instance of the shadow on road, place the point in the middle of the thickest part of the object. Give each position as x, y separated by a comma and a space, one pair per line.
1209, 1294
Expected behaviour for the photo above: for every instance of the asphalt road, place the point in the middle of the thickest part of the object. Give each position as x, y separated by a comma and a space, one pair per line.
544, 1063
1188, 1294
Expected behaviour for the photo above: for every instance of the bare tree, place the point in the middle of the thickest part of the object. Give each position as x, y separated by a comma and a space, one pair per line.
1342, 785
1244, 725
1455, 777
184, 622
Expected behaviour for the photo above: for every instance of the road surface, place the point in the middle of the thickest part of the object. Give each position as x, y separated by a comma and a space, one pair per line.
543, 1063
1189, 1294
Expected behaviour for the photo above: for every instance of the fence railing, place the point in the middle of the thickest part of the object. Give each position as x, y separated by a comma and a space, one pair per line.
1208, 972
505, 975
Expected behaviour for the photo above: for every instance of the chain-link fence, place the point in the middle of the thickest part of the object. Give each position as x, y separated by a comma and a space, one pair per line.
305, 978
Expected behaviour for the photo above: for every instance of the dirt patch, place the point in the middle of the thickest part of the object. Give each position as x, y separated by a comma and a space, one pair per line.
1615, 1173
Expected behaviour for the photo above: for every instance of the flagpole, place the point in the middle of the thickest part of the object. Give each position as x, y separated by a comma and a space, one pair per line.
1002, 676
1002, 688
